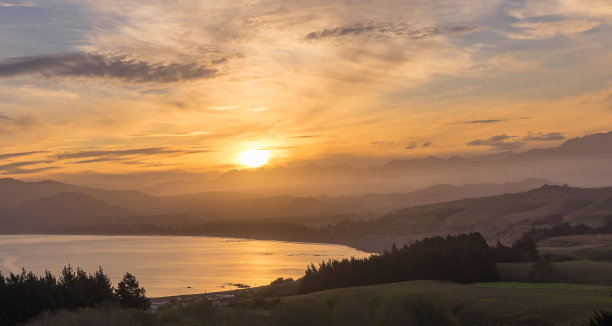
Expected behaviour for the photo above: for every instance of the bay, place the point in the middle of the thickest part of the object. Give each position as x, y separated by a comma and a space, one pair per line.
169, 265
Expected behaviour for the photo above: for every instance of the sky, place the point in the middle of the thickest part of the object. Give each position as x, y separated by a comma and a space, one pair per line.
172, 87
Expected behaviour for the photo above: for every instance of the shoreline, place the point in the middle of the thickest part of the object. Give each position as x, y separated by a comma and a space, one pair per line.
371, 246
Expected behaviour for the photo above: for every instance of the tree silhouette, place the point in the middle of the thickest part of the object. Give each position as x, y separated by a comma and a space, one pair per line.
25, 295
131, 295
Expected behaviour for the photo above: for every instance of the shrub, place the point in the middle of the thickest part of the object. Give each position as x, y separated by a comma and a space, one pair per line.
415, 309
601, 318
95, 317
543, 271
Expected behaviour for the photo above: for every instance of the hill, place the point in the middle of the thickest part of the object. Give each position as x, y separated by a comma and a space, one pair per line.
226, 205
473, 304
57, 211
503, 217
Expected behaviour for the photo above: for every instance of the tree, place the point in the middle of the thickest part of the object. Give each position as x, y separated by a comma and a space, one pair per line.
131, 295
526, 249
543, 271
103, 290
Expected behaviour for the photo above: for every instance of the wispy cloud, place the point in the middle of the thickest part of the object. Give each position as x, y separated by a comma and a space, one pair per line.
539, 30
382, 143
402, 30
544, 137
176, 134
223, 108
23, 3
499, 142
483, 121
107, 155
13, 155
18, 167
86, 65
306, 136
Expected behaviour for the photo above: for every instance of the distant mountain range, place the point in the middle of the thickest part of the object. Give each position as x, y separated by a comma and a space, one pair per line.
49, 205
502, 217
370, 222
584, 161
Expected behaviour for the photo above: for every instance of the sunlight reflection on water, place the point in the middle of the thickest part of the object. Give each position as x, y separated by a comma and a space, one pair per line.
167, 265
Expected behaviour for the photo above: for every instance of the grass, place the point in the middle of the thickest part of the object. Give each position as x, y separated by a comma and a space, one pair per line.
413, 302
491, 303
581, 272
548, 286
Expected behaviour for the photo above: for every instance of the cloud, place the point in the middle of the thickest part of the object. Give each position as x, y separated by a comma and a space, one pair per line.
223, 108
499, 142
17, 167
306, 136
13, 155
540, 30
402, 30
99, 156
484, 121
257, 109
176, 134
23, 121
16, 4
544, 137
411, 146
426, 144
381, 143
86, 65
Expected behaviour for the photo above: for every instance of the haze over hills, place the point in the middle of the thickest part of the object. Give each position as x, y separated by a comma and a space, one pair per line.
583, 161
59, 210
501, 217
41, 202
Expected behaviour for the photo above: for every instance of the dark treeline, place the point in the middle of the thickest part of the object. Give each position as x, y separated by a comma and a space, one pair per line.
537, 234
464, 258
523, 250
25, 295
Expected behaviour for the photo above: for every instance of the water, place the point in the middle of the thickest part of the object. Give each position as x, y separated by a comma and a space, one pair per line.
166, 265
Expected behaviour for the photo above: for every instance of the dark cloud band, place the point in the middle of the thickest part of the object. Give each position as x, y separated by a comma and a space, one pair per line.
85, 65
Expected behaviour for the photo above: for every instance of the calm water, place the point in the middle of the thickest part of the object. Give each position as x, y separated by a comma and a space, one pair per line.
168, 265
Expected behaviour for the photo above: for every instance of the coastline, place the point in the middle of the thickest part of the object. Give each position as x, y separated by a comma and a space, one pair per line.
372, 245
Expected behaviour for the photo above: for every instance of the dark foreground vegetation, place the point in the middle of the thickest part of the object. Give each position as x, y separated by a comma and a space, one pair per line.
464, 258
25, 295
563, 229
405, 303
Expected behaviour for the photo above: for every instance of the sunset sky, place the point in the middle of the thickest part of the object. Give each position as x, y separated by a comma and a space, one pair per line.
124, 87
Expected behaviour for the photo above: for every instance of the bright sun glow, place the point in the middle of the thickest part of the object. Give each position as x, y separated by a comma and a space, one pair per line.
254, 157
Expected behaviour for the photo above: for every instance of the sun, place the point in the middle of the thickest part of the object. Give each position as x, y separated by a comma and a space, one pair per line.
254, 157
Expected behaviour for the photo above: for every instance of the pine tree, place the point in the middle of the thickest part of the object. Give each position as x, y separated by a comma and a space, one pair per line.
131, 295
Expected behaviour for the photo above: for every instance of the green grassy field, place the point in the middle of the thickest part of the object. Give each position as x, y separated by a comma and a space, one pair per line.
425, 303
489, 303
582, 272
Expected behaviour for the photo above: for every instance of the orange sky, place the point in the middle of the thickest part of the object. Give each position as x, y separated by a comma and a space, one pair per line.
131, 86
